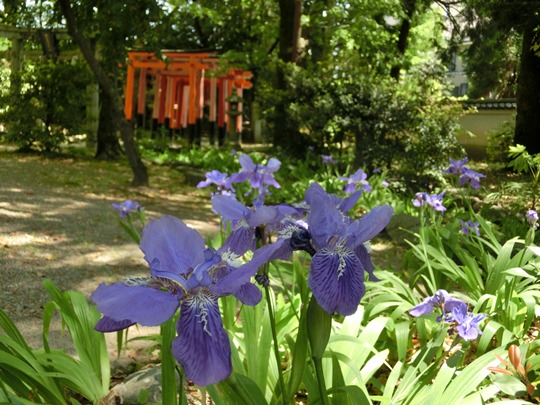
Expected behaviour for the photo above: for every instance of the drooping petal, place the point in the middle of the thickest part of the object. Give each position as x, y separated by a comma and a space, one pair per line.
369, 225
249, 294
424, 308
240, 240
202, 345
232, 282
140, 304
107, 324
177, 247
229, 208
350, 201
363, 255
337, 280
264, 215
273, 165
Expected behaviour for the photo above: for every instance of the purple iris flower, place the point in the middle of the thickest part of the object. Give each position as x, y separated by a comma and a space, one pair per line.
259, 176
357, 178
456, 166
329, 159
338, 263
221, 180
467, 175
467, 323
532, 218
126, 207
186, 275
244, 220
432, 200
453, 311
441, 300
471, 177
468, 226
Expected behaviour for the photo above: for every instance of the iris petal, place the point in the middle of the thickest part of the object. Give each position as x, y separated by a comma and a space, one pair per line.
337, 280
240, 240
365, 258
141, 304
369, 225
107, 324
230, 283
324, 220
202, 345
249, 294
229, 208
177, 247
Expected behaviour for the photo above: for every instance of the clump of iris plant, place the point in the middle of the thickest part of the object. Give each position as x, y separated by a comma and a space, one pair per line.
329, 160
532, 218
260, 176
453, 311
466, 174
183, 274
433, 201
469, 226
221, 180
357, 179
127, 207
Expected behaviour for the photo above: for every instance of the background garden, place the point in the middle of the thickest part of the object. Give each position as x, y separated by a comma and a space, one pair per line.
349, 140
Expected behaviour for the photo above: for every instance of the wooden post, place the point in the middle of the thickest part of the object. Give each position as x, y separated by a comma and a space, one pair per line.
130, 83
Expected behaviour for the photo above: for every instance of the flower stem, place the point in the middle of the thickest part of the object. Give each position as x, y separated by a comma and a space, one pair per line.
168, 378
317, 362
276, 346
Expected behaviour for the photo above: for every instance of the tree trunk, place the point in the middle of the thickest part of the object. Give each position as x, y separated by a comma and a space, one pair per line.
528, 91
285, 133
108, 147
140, 174
404, 30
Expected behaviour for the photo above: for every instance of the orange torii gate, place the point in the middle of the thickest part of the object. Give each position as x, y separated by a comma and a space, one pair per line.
184, 83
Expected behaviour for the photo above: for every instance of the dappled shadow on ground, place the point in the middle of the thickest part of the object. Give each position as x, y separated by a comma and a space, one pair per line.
57, 223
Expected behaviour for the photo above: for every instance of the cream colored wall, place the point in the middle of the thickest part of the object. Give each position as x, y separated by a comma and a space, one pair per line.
479, 124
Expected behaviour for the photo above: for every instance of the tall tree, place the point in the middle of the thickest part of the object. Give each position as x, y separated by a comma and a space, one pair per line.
140, 174
520, 18
528, 88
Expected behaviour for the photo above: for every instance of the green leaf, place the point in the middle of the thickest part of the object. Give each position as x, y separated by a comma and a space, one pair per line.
471, 377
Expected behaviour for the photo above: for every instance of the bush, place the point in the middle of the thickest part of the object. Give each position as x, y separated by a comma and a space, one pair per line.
499, 141
49, 108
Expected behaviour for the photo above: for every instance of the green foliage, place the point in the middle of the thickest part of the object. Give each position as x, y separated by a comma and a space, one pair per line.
499, 142
51, 376
391, 126
50, 107
523, 162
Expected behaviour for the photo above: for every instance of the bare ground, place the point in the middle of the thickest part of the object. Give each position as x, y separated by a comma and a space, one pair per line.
57, 223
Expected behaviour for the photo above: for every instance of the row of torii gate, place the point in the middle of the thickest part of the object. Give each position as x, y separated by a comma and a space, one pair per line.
187, 85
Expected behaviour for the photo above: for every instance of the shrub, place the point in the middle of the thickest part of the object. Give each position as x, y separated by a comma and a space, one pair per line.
499, 141
49, 108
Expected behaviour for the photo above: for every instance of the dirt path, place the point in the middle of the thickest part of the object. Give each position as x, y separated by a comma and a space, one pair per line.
57, 223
